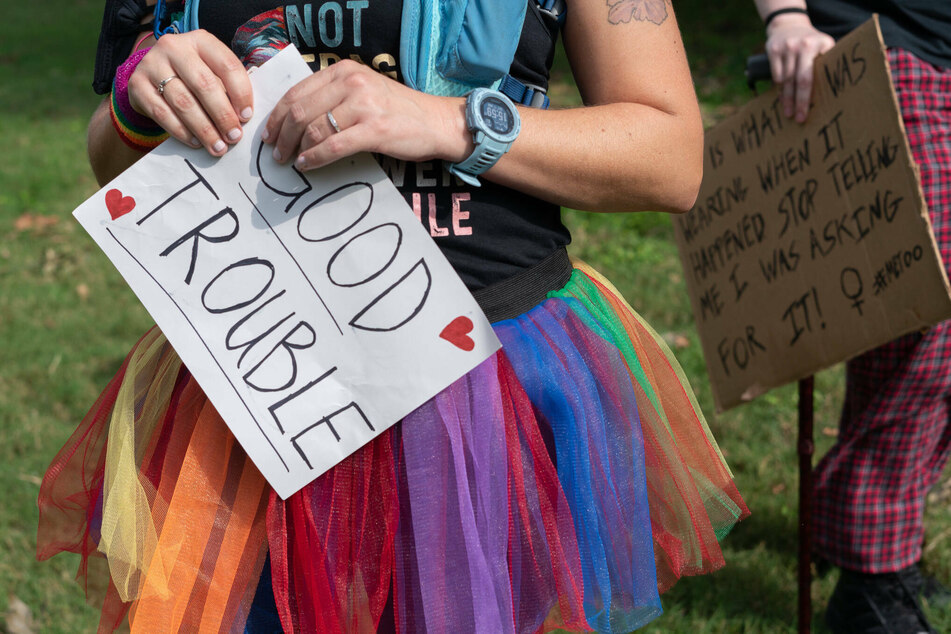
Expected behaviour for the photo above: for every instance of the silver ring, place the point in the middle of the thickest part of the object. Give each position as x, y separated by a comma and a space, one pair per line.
160, 87
333, 122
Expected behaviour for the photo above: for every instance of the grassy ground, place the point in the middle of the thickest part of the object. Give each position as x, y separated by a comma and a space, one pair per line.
66, 320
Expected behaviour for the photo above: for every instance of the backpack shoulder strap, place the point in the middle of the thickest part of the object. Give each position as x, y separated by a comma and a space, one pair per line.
526, 82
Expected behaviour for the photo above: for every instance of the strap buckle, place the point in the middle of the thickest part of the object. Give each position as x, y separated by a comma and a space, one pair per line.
556, 9
524, 94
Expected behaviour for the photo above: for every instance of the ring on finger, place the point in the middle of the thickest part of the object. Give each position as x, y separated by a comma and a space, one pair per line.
333, 122
160, 87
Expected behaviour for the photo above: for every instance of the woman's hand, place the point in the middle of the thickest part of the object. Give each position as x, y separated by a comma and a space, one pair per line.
374, 114
209, 97
792, 45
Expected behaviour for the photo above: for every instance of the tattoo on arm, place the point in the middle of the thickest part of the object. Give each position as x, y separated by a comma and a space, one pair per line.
641, 10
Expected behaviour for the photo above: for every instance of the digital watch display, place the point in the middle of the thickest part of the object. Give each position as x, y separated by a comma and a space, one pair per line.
496, 115
494, 122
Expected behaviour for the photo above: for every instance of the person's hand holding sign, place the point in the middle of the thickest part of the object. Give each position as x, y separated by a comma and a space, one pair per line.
348, 108
792, 45
194, 87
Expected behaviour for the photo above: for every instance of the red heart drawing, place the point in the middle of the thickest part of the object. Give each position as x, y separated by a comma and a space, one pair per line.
117, 204
457, 333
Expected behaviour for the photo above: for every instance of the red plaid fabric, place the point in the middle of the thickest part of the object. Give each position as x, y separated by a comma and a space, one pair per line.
895, 431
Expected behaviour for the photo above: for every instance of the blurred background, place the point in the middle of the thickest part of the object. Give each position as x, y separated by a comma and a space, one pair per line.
67, 320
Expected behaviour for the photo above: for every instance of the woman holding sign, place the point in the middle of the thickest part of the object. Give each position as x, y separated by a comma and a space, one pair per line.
563, 483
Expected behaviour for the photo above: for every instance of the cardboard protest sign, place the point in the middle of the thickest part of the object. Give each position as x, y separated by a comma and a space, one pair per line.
810, 243
313, 309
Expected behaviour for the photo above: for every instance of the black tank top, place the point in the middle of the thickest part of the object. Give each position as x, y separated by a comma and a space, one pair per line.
922, 27
488, 233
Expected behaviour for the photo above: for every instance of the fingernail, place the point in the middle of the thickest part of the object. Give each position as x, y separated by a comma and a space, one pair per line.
277, 155
195, 142
234, 134
246, 113
301, 162
265, 135
219, 146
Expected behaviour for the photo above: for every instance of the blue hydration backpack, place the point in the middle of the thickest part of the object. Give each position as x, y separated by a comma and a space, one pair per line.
449, 47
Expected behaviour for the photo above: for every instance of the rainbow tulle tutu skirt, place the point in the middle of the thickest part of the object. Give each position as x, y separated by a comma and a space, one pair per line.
565, 482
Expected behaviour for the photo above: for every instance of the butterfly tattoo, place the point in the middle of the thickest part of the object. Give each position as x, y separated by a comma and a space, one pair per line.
641, 10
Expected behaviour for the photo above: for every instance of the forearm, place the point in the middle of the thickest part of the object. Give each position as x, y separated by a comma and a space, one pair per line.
637, 145
612, 157
108, 155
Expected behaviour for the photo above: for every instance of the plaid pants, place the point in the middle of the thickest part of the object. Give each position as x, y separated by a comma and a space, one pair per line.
895, 431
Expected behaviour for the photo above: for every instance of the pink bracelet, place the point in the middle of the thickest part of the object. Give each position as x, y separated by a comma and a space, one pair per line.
136, 130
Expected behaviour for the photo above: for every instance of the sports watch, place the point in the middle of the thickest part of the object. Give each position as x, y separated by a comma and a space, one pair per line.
494, 122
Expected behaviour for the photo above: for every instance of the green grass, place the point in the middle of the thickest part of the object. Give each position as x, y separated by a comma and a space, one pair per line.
67, 319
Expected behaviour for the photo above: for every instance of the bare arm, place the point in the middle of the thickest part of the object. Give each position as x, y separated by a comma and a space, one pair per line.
108, 155
636, 146
638, 143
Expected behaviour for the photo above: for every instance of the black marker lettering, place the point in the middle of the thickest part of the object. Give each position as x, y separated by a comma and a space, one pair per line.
850, 280
391, 315
740, 350
290, 398
227, 293
710, 302
351, 407
352, 252
302, 185
288, 345
249, 344
737, 287
831, 134
314, 227
196, 234
800, 316
198, 179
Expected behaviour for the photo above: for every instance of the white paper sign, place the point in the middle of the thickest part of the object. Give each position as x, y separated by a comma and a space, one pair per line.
313, 309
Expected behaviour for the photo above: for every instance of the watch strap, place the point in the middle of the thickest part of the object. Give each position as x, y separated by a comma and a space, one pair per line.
482, 158
487, 150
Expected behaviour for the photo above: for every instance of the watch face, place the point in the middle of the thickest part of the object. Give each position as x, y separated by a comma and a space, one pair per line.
496, 115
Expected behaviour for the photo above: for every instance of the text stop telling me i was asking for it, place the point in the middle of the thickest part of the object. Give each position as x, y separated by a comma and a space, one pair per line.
809, 243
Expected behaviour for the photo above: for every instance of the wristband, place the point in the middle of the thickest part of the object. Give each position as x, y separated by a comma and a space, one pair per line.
769, 18
136, 130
